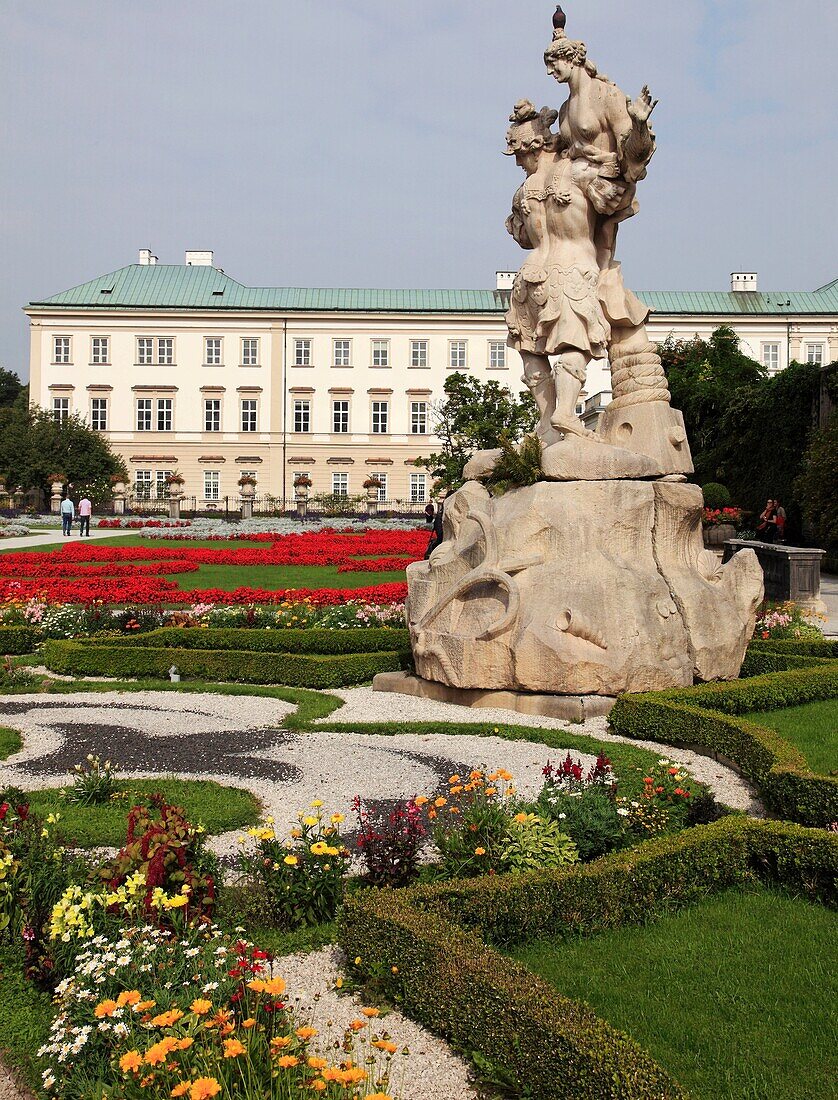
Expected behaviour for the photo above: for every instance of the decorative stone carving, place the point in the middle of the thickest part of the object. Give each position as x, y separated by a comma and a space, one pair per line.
579, 588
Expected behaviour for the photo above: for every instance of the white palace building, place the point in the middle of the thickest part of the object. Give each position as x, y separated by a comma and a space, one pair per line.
183, 368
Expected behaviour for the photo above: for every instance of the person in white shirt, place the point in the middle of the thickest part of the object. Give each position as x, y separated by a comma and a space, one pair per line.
68, 512
85, 510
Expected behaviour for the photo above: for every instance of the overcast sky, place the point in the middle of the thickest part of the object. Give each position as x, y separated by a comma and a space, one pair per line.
358, 142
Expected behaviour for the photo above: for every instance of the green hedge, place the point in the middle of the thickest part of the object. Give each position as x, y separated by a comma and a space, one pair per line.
308, 670
427, 945
706, 718
800, 647
17, 639
314, 640
760, 661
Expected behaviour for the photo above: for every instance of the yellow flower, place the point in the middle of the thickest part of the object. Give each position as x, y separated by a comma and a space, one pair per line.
316, 804
336, 819
176, 902
200, 1006
520, 818
292, 861
319, 848
309, 820
130, 1061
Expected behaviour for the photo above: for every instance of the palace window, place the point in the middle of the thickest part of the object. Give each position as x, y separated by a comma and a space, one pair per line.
250, 351
212, 415
164, 414
814, 354
142, 484
418, 492
212, 485
497, 354
382, 492
144, 414
418, 417
380, 353
418, 353
302, 416
161, 489
213, 346
248, 415
99, 414
341, 353
340, 484
380, 417
302, 353
60, 409
100, 349
340, 417
771, 356
61, 349
457, 355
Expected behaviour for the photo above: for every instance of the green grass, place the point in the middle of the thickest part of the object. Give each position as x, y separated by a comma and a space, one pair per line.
10, 741
812, 728
218, 808
273, 577
25, 1017
734, 996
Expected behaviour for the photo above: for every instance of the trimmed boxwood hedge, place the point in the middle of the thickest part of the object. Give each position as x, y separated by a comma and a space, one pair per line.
706, 718
428, 946
284, 640
17, 639
246, 666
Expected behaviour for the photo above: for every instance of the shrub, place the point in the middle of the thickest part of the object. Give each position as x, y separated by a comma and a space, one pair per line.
94, 783
430, 945
17, 639
471, 823
715, 495
389, 841
533, 843
300, 883
289, 640
590, 819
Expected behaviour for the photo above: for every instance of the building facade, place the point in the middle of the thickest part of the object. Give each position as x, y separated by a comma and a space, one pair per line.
183, 368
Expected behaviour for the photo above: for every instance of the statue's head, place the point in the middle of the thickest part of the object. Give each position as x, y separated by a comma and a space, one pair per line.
530, 130
563, 55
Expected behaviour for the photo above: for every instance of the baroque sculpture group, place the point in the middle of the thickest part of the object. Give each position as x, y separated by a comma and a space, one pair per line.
593, 581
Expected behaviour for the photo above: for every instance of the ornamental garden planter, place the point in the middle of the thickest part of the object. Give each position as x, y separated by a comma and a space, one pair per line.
716, 535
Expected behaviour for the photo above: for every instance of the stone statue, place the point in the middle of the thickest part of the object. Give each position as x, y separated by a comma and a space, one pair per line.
556, 597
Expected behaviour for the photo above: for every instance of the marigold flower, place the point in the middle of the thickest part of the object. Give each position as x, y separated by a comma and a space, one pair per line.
200, 1006
520, 818
420, 801
106, 1008
130, 1061
357, 1025
233, 1048
166, 1019
181, 1089
306, 1032
370, 1013
204, 1088
128, 997
384, 1044
438, 802
454, 779
316, 1063
248, 1023
280, 1042
273, 986
287, 1061
480, 851
185, 1043
292, 861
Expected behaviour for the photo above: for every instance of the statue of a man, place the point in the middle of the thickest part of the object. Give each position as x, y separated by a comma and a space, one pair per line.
568, 299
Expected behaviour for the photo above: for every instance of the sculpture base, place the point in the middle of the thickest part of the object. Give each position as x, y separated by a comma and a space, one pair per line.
571, 708
579, 588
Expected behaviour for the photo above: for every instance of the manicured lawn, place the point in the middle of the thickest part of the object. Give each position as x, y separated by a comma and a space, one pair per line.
24, 1019
9, 742
217, 808
813, 728
273, 577
735, 996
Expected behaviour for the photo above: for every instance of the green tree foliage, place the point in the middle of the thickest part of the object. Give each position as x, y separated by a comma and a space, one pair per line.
817, 485
475, 416
703, 377
34, 445
10, 388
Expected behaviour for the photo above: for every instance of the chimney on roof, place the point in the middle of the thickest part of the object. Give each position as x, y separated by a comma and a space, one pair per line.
504, 280
200, 257
147, 257
742, 281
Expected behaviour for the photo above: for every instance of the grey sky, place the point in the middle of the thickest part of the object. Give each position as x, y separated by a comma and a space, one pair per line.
358, 142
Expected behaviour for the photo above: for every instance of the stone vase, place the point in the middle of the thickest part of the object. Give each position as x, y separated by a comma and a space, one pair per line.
717, 534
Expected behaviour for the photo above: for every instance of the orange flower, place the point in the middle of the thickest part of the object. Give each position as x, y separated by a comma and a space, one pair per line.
370, 1013
144, 1006
420, 801
318, 1085
306, 1032
317, 1063
248, 1023
274, 986
166, 1019
200, 1006
106, 1008
130, 1061
185, 1044
377, 1096
491, 790
128, 997
280, 1042
181, 1089
438, 802
158, 1053
233, 1048
480, 851
356, 1025
287, 1061
454, 779
383, 1044
204, 1088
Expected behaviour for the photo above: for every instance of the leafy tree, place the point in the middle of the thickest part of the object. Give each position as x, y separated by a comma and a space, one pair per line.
817, 484
33, 445
10, 387
704, 376
475, 416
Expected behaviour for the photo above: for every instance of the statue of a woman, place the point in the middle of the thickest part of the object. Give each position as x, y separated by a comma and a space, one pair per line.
568, 299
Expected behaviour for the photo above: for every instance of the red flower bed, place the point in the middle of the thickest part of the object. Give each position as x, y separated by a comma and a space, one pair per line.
81, 573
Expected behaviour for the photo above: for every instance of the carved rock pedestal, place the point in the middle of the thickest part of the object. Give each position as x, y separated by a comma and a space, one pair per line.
579, 588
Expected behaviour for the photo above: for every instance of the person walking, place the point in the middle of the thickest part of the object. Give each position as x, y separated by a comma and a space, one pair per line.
780, 520
85, 510
68, 512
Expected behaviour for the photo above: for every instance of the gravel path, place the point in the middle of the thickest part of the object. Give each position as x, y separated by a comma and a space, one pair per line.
429, 1069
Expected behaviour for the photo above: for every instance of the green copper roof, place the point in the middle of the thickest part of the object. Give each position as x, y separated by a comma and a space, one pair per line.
165, 286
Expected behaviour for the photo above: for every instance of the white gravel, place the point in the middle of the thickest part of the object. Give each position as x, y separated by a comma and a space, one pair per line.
429, 1068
